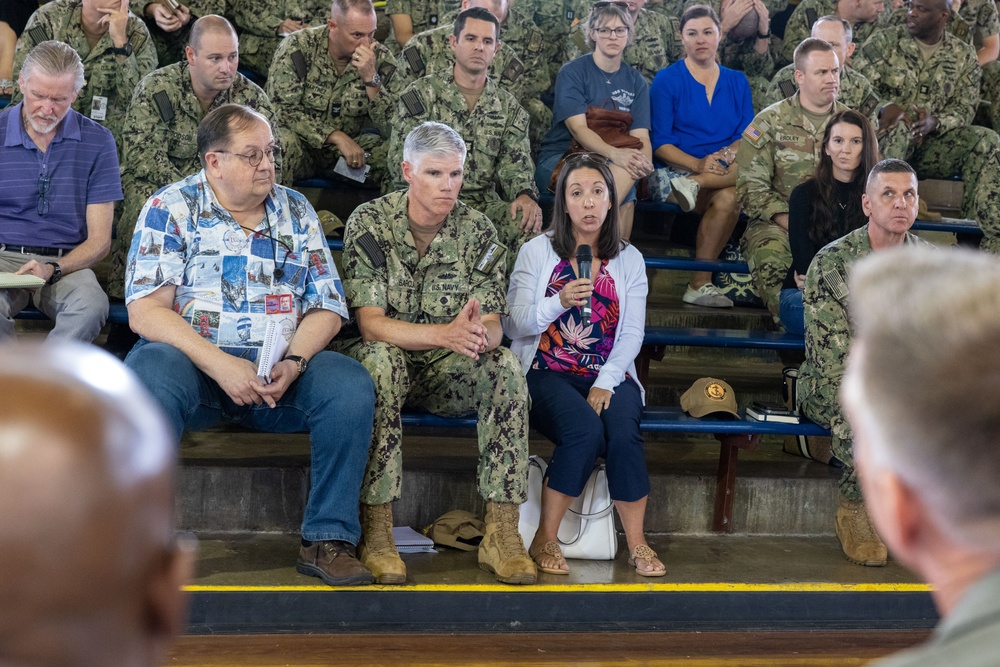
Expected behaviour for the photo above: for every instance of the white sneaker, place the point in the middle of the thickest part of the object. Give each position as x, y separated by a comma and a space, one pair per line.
708, 295
685, 192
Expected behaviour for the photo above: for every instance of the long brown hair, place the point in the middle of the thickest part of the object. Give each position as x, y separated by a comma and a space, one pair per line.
825, 226
609, 241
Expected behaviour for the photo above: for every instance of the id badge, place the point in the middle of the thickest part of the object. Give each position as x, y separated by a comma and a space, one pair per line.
98, 108
278, 303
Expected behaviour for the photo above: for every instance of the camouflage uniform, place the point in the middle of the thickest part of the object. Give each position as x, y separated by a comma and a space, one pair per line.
528, 41
106, 74
828, 337
424, 14
742, 56
655, 43
257, 22
161, 147
429, 54
498, 167
855, 91
947, 85
382, 269
554, 18
313, 101
778, 150
170, 45
806, 13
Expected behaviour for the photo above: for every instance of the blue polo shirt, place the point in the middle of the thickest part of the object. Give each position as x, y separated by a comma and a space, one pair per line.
82, 166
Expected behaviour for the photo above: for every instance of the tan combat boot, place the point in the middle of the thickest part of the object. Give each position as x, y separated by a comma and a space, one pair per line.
376, 549
857, 535
502, 552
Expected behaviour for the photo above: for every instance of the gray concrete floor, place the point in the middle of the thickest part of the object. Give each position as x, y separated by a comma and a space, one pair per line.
269, 560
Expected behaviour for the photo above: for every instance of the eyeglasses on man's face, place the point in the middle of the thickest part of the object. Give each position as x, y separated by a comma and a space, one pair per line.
256, 155
616, 3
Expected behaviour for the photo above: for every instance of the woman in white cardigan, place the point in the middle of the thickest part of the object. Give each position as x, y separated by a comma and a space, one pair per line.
581, 374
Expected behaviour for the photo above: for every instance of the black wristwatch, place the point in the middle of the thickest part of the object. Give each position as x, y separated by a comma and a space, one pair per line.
375, 82
56, 273
122, 51
764, 35
302, 362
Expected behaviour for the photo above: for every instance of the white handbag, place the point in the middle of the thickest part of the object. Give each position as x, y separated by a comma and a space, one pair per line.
587, 530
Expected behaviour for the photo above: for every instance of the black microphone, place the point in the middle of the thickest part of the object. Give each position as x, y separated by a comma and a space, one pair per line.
583, 259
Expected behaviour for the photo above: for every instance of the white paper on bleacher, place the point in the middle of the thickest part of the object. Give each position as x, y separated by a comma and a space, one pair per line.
409, 541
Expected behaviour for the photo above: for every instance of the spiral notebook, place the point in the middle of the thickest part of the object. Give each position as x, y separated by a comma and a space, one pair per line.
13, 280
272, 352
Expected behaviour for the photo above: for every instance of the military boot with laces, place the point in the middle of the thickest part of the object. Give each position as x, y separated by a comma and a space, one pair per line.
502, 552
857, 535
377, 550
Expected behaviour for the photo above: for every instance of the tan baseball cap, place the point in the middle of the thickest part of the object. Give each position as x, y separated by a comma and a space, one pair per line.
458, 529
708, 395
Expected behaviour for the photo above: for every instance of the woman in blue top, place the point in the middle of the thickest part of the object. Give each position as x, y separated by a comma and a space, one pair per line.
601, 79
699, 110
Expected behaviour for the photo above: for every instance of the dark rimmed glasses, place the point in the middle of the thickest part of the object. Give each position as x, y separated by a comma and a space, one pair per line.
616, 3
256, 155
42, 207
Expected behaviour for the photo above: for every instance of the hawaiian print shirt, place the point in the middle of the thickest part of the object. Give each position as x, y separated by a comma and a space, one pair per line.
570, 345
230, 285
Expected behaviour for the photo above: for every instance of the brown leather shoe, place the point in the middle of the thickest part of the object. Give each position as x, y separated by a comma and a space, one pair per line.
333, 562
377, 550
502, 552
860, 543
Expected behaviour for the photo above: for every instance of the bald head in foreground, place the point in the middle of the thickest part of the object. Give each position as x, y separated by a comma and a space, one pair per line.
920, 391
90, 569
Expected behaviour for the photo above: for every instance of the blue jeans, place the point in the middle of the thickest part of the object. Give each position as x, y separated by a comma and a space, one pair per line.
559, 410
543, 174
334, 401
790, 311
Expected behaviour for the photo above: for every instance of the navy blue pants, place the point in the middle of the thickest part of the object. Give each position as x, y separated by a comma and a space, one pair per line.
559, 410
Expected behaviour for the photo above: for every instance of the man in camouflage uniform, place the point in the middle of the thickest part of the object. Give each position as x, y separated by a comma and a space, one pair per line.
855, 91
412, 17
329, 84
171, 28
161, 126
264, 23
499, 179
890, 202
863, 15
656, 40
778, 151
424, 278
928, 81
429, 54
112, 42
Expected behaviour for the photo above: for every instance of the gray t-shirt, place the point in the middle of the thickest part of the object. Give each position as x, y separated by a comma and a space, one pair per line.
579, 84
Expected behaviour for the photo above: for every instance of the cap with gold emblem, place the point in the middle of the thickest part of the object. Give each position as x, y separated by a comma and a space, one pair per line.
708, 395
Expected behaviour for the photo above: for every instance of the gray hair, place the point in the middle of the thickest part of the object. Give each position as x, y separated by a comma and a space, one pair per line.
844, 23
890, 165
342, 7
434, 139
54, 59
923, 379
598, 16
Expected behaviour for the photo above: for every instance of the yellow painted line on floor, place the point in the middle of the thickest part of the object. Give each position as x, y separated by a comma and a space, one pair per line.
722, 587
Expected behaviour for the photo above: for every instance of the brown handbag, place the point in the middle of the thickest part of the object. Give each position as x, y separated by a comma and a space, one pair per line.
611, 125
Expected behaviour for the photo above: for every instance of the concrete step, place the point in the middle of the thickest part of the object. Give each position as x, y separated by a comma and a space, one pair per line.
240, 482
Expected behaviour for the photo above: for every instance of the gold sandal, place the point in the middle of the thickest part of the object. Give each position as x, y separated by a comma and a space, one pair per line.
645, 553
550, 548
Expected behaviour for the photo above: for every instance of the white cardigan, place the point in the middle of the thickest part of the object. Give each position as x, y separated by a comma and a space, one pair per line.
531, 312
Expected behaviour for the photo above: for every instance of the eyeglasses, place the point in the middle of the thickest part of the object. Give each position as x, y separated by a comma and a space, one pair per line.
42, 207
256, 155
620, 31
602, 5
